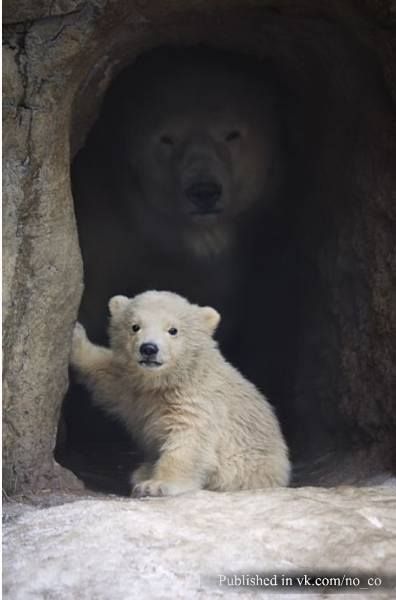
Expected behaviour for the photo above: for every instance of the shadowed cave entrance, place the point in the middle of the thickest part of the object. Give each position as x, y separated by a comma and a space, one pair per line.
310, 338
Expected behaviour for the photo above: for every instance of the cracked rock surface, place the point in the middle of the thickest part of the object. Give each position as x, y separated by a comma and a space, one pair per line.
111, 548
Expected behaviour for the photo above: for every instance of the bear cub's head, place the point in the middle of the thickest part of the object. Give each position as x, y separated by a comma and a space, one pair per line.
156, 332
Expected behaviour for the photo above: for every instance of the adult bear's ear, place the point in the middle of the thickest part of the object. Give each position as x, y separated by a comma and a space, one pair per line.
117, 304
211, 318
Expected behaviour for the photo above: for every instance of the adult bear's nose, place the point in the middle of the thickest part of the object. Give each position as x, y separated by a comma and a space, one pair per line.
148, 349
204, 195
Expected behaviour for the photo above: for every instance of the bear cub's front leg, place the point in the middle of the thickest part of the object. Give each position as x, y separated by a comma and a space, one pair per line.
174, 473
85, 357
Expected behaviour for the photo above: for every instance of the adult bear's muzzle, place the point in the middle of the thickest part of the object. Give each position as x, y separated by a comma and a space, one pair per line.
205, 197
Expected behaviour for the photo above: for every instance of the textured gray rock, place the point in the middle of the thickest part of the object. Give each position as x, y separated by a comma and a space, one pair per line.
18, 12
114, 549
42, 263
41, 255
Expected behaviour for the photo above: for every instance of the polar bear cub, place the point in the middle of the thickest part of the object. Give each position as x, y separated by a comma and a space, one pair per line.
200, 424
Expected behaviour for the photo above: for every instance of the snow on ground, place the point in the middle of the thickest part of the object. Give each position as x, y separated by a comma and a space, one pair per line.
108, 548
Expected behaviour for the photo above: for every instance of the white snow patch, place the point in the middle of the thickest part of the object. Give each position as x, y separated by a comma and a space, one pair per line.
108, 548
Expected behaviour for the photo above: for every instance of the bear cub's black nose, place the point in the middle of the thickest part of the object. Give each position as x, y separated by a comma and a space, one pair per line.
148, 349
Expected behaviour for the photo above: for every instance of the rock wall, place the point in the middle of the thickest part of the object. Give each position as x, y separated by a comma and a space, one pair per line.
58, 60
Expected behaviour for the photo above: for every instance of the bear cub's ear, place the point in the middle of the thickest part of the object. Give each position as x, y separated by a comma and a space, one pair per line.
211, 318
117, 304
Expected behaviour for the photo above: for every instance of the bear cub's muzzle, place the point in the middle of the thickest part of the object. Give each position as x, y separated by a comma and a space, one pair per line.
149, 353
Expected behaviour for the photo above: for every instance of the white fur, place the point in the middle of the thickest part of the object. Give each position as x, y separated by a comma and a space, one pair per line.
199, 422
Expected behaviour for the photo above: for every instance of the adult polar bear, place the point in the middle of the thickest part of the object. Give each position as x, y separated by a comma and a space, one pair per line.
170, 185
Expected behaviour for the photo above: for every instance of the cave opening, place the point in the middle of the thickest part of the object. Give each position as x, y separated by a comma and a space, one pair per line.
296, 297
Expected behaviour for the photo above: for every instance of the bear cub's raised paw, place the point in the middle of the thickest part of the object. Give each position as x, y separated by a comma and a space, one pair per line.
79, 341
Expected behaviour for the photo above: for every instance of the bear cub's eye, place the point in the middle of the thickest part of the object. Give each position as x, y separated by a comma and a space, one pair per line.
172, 331
233, 135
135, 327
167, 140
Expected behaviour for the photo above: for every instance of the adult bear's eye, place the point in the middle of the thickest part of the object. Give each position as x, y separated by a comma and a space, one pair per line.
135, 327
167, 140
172, 331
233, 135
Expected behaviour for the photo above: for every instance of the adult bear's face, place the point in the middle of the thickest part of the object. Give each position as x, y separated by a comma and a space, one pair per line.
201, 144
